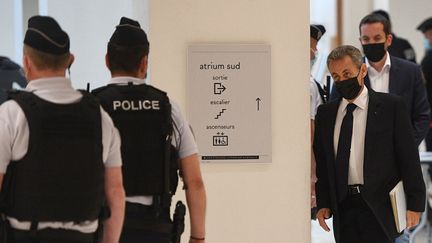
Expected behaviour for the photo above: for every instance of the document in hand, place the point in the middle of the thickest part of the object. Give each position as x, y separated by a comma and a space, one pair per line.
398, 202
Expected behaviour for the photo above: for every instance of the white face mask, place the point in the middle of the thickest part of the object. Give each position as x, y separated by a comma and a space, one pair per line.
312, 62
427, 44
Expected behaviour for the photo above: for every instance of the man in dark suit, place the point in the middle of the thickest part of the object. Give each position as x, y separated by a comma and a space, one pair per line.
363, 147
393, 75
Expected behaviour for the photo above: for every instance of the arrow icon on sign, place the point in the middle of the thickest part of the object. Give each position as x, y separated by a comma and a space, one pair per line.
258, 103
218, 88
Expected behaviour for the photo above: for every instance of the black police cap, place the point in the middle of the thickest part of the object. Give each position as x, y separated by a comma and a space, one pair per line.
129, 33
45, 34
425, 25
317, 31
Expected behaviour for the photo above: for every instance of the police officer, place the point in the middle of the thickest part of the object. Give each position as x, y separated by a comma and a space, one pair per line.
426, 28
59, 151
400, 47
318, 96
318, 92
155, 136
10, 73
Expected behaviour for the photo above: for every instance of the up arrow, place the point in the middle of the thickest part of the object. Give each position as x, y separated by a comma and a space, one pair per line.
258, 103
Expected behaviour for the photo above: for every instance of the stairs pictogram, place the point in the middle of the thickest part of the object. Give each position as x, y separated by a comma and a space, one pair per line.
220, 113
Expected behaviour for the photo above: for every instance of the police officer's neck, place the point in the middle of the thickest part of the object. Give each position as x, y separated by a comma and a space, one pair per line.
46, 73
127, 74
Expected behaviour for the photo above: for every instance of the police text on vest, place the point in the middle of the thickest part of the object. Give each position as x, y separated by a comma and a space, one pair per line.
136, 105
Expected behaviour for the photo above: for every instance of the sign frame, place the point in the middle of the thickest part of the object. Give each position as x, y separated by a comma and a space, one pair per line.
229, 101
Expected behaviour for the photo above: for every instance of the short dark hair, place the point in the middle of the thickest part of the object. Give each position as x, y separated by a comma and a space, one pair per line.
343, 51
125, 58
47, 61
382, 13
385, 15
376, 18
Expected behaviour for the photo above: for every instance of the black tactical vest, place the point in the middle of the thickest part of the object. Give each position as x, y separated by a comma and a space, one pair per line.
142, 115
61, 178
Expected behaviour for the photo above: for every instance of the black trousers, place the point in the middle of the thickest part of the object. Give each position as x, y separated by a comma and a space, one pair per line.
142, 236
146, 214
358, 224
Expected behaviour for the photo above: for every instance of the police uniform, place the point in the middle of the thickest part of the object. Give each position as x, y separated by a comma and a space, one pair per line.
402, 48
315, 98
183, 143
146, 119
55, 143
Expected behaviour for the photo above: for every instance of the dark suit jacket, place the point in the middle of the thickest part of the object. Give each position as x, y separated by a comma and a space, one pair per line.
390, 155
406, 80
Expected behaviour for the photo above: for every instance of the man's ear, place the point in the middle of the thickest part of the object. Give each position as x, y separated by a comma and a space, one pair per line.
25, 61
107, 61
71, 60
26, 65
364, 70
144, 63
389, 40
143, 66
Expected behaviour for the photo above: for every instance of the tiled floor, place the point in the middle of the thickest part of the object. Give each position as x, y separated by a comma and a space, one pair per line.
320, 236
422, 238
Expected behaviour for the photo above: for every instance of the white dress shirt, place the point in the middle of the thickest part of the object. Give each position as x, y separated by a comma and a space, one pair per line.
379, 81
356, 161
14, 134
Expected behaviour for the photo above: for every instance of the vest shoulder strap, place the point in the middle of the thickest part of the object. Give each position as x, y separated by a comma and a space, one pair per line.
322, 92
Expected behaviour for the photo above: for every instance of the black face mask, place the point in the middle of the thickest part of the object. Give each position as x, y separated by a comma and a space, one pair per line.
348, 88
374, 52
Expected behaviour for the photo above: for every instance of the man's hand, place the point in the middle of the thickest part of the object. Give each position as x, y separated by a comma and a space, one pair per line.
322, 215
412, 219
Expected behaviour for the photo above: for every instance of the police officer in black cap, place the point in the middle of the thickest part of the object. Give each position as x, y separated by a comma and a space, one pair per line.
400, 47
59, 151
426, 28
10, 74
156, 143
318, 96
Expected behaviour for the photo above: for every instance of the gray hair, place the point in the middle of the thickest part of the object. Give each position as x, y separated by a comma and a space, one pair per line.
342, 51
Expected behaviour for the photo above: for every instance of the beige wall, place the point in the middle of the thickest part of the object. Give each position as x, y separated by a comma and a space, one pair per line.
10, 30
90, 24
353, 12
247, 203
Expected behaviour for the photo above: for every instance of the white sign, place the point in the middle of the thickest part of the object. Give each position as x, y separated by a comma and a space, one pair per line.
229, 94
